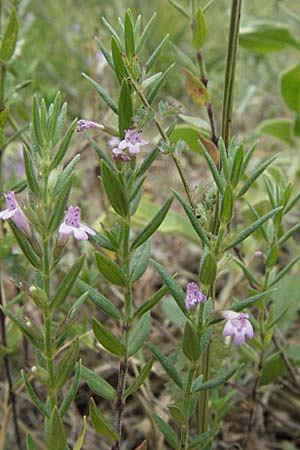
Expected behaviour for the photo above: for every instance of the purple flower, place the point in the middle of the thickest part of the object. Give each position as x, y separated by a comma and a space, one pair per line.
14, 213
193, 295
133, 141
86, 124
238, 325
113, 141
72, 225
120, 155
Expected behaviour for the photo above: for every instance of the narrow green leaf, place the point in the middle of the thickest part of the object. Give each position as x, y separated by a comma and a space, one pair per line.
117, 60
99, 300
67, 284
248, 158
139, 334
61, 153
227, 205
25, 246
10, 36
108, 340
79, 442
151, 61
31, 176
248, 273
159, 83
203, 438
65, 176
146, 33
66, 365
55, 432
224, 159
213, 168
199, 29
167, 365
184, 60
105, 52
114, 189
251, 300
180, 8
103, 94
191, 342
32, 394
151, 302
32, 333
100, 424
194, 221
125, 108
288, 234
72, 391
167, 431
113, 32
59, 208
60, 124
208, 268
260, 169
129, 35
30, 445
97, 384
236, 166
54, 116
253, 227
153, 225
215, 382
284, 271
36, 122
139, 261
102, 155
110, 270
147, 162
142, 376
176, 291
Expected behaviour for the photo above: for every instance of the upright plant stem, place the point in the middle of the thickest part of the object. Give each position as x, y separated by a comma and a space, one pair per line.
186, 408
3, 337
123, 368
230, 70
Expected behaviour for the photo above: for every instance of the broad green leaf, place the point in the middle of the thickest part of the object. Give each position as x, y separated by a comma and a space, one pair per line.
193, 219
167, 365
67, 284
99, 300
97, 384
66, 365
167, 431
252, 228
191, 342
278, 128
72, 391
117, 60
142, 376
110, 270
266, 37
107, 339
199, 29
153, 224
139, 334
273, 368
196, 89
188, 134
290, 88
215, 382
55, 432
114, 189
79, 442
176, 291
129, 35
100, 424
10, 37
103, 94
125, 108
177, 414
139, 261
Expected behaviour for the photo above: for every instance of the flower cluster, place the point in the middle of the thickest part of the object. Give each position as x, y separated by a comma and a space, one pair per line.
238, 325
193, 295
15, 213
133, 141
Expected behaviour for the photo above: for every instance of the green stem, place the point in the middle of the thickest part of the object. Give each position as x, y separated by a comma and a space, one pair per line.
186, 408
230, 70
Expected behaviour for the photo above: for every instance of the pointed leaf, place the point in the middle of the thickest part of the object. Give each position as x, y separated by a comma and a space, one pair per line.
142, 376
100, 423
167, 365
117, 60
139, 261
99, 300
103, 94
79, 442
72, 391
215, 382
151, 302
261, 168
66, 365
199, 29
97, 384
32, 394
25, 246
55, 432
114, 190
167, 431
196, 89
61, 152
152, 59
125, 108
108, 340
110, 270
139, 334
10, 37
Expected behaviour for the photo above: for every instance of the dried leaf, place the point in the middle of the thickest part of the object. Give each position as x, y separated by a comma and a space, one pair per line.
196, 89
142, 446
211, 149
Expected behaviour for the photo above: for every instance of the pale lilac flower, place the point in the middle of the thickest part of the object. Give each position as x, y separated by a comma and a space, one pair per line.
114, 141
72, 225
133, 141
86, 124
193, 295
14, 213
238, 325
120, 155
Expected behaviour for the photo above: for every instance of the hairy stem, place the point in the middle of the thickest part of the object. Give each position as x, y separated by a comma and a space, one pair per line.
186, 408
